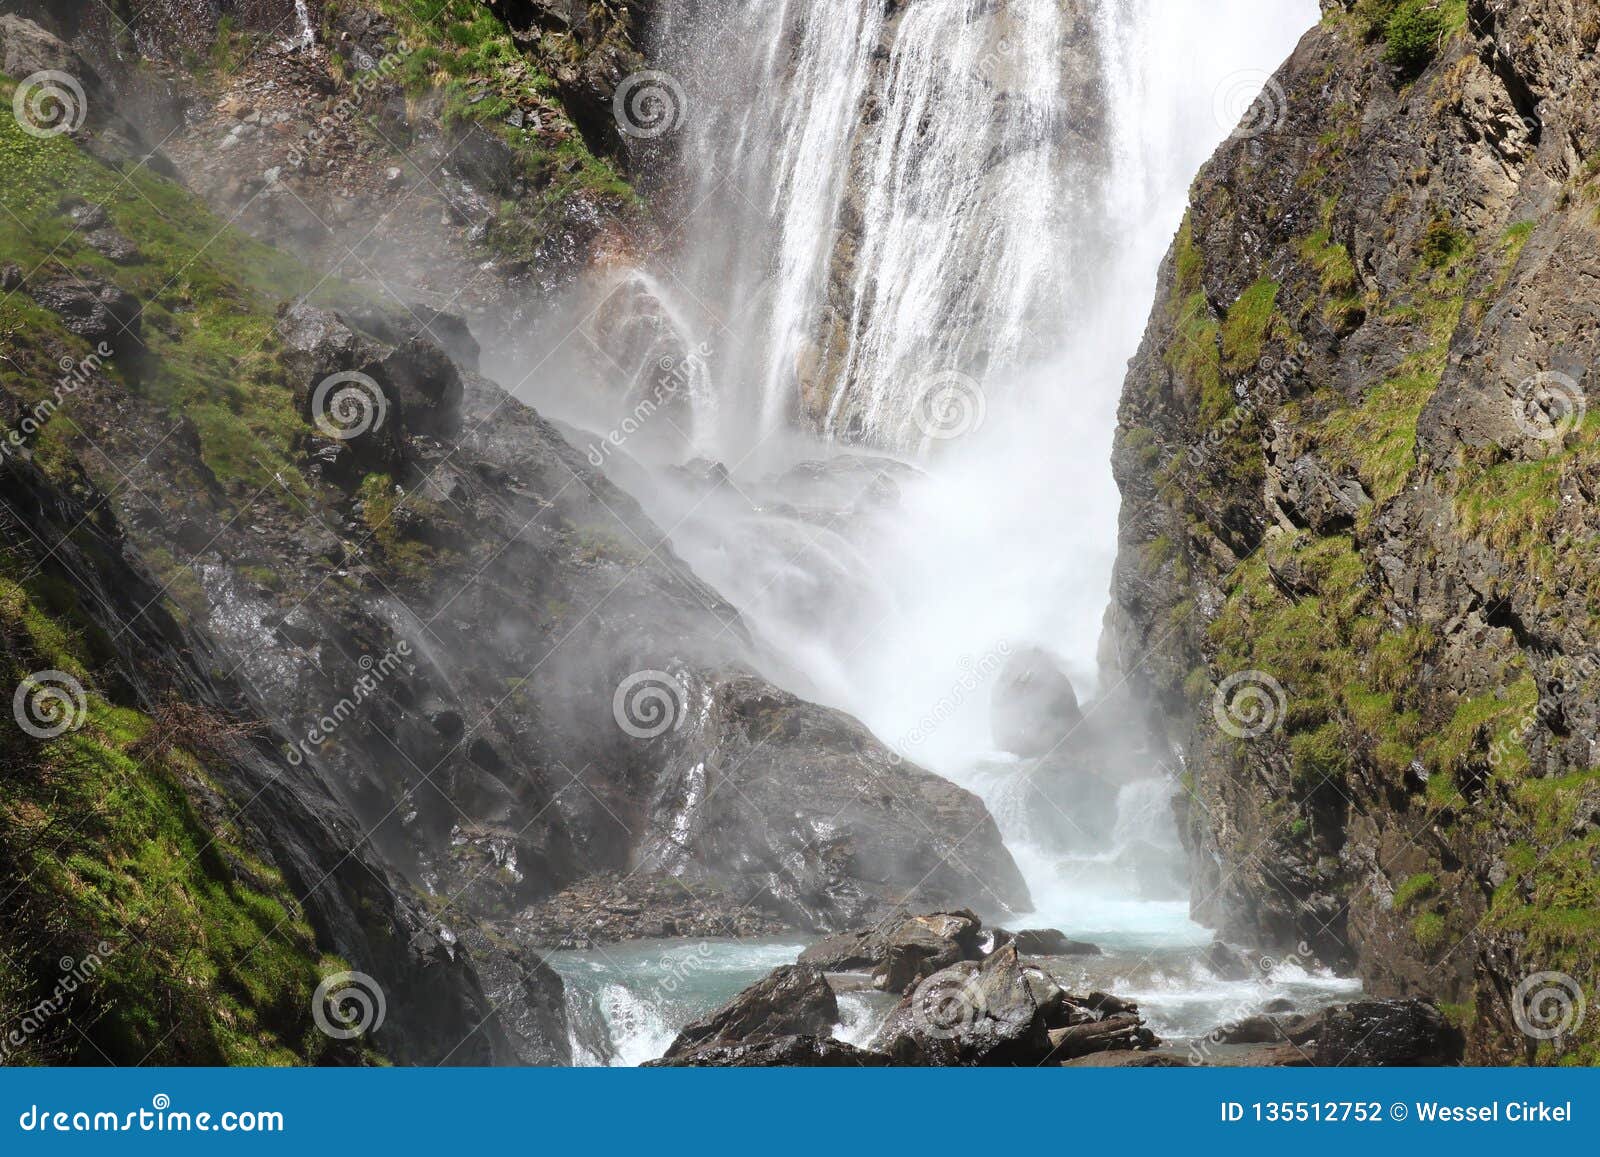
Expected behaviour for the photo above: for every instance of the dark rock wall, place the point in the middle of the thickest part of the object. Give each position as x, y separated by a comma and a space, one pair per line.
1357, 572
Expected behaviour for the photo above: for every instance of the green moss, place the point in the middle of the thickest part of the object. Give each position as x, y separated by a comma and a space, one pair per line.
1429, 930
1195, 356
380, 500
209, 295
1244, 330
1418, 887
1476, 719
461, 48
1377, 440
197, 951
1416, 30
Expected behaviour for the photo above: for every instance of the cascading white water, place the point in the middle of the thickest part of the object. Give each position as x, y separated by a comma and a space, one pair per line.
887, 204
969, 197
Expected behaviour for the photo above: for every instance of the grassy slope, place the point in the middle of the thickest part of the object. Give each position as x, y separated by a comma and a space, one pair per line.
106, 838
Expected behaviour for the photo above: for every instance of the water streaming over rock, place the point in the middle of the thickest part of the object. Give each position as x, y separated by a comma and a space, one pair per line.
931, 230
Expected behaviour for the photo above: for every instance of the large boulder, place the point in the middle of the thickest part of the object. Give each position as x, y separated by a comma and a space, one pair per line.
846, 951
1048, 942
1002, 1011
96, 310
364, 395
1034, 707
922, 945
793, 1000
1388, 1033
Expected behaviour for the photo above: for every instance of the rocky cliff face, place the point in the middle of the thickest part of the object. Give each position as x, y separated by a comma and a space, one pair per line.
1357, 573
280, 522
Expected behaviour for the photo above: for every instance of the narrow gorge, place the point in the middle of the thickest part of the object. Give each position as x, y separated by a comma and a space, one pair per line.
798, 532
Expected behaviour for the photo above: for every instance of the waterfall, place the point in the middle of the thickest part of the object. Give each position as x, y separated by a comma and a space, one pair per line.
883, 211
929, 228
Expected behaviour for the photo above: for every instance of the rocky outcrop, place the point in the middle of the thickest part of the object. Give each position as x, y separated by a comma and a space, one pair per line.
1034, 708
1356, 473
792, 1001
1378, 1033
984, 1008
1002, 1011
292, 851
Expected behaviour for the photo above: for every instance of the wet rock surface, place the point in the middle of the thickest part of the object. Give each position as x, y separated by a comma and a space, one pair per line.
987, 1007
794, 1000
1374, 330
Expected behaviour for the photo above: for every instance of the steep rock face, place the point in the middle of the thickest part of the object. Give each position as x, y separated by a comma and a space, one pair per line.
1356, 570
475, 657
